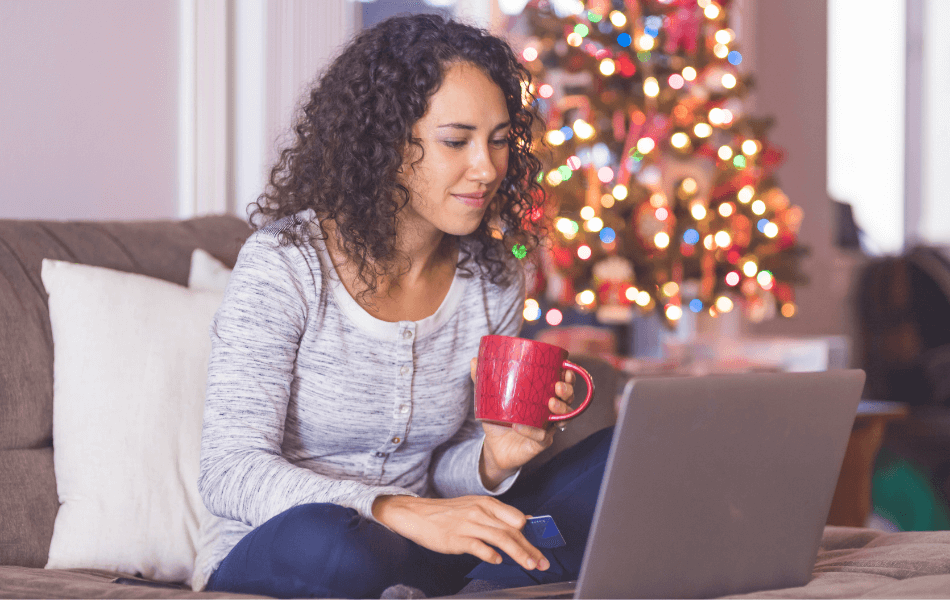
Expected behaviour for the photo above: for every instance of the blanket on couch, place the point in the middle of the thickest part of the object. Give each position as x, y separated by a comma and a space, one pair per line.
852, 563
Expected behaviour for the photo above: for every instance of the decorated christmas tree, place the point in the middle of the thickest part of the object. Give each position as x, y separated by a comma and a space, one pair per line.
662, 187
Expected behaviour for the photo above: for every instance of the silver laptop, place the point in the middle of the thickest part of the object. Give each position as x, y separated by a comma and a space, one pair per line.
714, 485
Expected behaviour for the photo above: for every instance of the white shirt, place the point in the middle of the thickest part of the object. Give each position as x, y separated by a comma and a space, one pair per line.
312, 399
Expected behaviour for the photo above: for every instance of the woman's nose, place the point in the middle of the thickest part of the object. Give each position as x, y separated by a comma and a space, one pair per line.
483, 166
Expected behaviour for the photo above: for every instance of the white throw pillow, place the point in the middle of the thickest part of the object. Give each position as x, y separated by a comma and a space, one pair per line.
207, 272
130, 369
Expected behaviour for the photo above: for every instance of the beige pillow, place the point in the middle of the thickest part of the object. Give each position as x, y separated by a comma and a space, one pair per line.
130, 368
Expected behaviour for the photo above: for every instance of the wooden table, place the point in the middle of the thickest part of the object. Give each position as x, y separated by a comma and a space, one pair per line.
851, 505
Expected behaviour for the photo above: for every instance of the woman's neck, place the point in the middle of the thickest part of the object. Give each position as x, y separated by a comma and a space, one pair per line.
412, 287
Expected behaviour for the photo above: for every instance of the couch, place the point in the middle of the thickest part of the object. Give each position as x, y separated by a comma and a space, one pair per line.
852, 562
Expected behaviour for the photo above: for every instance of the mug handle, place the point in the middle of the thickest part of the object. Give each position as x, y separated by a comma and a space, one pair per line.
590, 393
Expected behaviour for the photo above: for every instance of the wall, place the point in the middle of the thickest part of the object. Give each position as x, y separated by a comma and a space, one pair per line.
88, 109
789, 43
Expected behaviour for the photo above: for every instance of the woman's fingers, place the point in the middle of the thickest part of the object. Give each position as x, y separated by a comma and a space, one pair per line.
490, 524
564, 391
477, 525
564, 395
480, 549
513, 543
505, 513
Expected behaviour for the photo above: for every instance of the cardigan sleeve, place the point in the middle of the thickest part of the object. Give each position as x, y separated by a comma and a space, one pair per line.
455, 463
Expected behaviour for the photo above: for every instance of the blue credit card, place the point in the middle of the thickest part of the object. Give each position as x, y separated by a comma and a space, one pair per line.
543, 533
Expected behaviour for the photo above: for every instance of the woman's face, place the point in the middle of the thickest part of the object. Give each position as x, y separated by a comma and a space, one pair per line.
465, 138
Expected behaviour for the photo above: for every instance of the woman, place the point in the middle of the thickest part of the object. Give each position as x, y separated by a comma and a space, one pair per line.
339, 452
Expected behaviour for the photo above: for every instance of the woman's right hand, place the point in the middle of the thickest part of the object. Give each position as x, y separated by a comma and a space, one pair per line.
470, 524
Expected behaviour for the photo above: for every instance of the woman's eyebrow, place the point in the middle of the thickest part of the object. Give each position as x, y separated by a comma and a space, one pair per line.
469, 127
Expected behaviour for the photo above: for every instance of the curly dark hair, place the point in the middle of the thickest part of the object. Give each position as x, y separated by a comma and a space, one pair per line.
350, 136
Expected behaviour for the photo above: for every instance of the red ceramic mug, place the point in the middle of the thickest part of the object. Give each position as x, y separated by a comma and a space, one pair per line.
515, 379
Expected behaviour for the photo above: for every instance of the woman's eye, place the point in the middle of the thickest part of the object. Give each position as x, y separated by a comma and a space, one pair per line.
454, 143
500, 143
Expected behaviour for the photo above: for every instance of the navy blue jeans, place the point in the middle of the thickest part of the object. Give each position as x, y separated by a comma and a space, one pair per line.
328, 551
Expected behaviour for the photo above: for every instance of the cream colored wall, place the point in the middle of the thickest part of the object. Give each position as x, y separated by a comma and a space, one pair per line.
789, 60
88, 109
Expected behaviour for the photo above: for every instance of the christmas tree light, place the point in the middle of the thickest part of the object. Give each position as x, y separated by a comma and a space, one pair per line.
663, 185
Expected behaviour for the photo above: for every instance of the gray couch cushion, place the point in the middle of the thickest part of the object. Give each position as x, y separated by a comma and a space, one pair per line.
28, 505
155, 248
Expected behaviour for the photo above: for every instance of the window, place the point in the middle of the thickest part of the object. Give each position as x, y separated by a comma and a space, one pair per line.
888, 126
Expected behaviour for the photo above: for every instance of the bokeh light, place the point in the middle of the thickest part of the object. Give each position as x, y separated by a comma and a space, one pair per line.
532, 311
724, 304
651, 87
645, 145
643, 298
703, 130
746, 194
750, 268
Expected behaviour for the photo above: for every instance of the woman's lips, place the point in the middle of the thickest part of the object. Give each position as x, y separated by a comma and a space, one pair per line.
474, 200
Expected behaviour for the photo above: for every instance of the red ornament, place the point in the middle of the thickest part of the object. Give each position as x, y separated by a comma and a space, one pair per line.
682, 31
563, 257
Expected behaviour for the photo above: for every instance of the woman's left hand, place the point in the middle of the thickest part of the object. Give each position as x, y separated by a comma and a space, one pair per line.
507, 449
